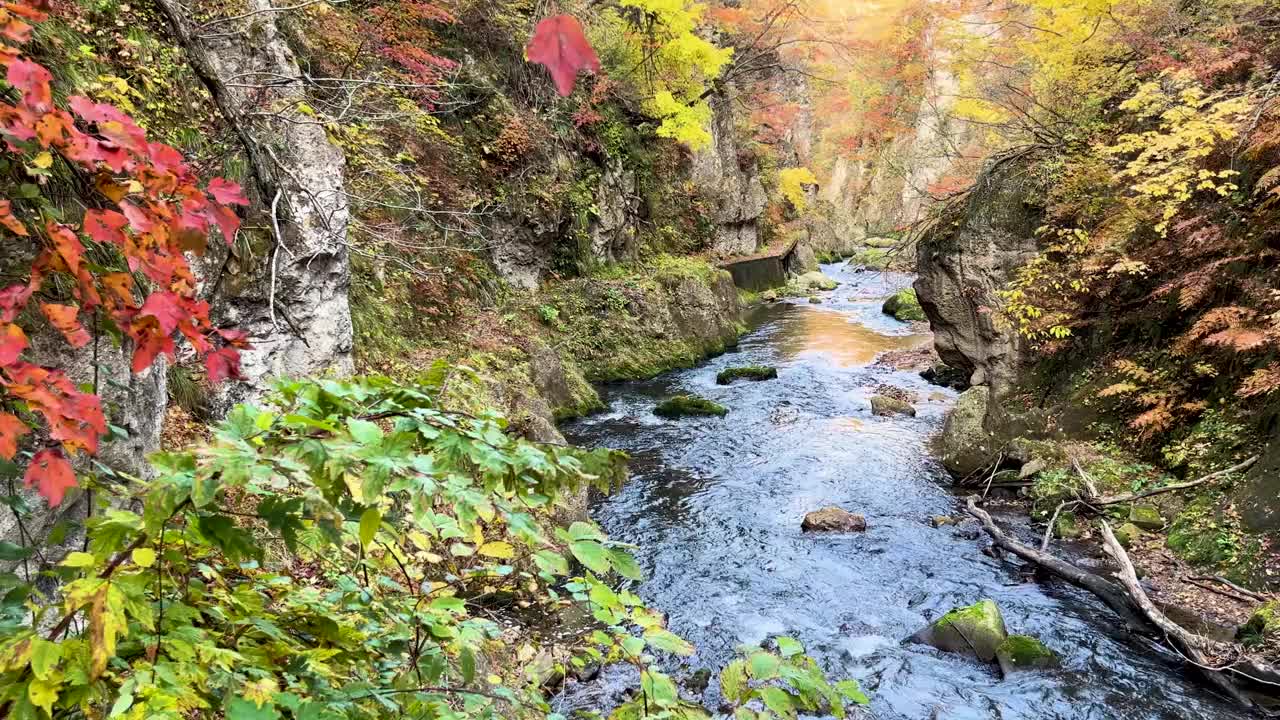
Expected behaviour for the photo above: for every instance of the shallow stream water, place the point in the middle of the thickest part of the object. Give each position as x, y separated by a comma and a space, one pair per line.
715, 504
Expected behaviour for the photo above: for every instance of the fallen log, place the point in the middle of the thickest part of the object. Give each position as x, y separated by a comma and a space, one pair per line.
1108, 592
1196, 649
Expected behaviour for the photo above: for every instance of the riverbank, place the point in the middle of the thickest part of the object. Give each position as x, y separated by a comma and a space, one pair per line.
715, 507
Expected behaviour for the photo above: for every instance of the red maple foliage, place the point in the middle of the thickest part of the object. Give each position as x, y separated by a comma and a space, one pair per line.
151, 211
559, 44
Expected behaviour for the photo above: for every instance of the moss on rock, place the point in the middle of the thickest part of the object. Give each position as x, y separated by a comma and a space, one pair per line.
1264, 623
904, 306
1023, 652
976, 630
1146, 517
682, 405
754, 373
1127, 534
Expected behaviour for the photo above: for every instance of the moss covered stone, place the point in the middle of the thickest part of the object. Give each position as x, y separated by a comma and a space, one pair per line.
1023, 652
682, 405
1146, 517
1264, 622
1127, 534
755, 373
904, 306
975, 630
815, 300
1067, 527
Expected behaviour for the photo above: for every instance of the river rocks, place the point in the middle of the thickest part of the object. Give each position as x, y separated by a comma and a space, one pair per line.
815, 280
967, 447
896, 393
754, 373
682, 405
833, 519
1023, 652
938, 521
886, 406
975, 630
769, 296
815, 300
1146, 517
946, 376
967, 529
1127, 534
904, 306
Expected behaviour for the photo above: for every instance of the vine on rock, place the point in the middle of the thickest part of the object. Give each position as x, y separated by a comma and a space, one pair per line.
147, 210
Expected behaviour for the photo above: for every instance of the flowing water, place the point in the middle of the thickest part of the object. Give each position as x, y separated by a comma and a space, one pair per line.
715, 505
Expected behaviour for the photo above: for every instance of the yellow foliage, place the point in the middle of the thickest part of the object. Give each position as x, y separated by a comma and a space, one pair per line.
791, 182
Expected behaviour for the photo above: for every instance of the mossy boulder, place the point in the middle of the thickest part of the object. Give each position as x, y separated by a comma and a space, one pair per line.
974, 630
1127, 534
833, 519
1146, 517
938, 521
1023, 652
815, 300
1264, 622
682, 405
754, 373
1068, 527
815, 280
885, 406
904, 306
967, 447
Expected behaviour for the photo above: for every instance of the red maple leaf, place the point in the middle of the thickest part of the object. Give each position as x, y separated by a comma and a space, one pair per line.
68, 245
33, 80
227, 192
164, 307
150, 343
63, 317
105, 226
559, 45
222, 364
50, 472
12, 342
8, 220
11, 431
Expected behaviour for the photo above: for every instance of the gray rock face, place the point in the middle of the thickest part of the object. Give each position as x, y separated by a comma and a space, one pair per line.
1256, 495
967, 446
965, 258
290, 293
613, 235
730, 182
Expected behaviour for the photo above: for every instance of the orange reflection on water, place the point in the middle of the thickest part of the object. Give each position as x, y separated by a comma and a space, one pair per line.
833, 334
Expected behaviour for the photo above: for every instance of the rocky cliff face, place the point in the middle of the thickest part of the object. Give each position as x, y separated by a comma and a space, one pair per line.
729, 179
289, 291
969, 254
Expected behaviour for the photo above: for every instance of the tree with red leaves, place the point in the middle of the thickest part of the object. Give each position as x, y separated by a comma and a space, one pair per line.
147, 210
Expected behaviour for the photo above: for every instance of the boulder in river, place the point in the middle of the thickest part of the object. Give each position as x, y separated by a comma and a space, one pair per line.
815, 280
884, 406
833, 519
938, 521
976, 630
682, 405
967, 447
755, 373
1023, 652
904, 306
815, 300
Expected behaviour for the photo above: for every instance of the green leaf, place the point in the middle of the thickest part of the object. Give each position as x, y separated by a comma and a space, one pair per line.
369, 522
467, 662
788, 647
733, 681
763, 665
43, 693
144, 557
591, 554
12, 553
851, 690
239, 708
551, 562
364, 432
78, 560
660, 639
777, 700
44, 657
584, 531
625, 564
633, 646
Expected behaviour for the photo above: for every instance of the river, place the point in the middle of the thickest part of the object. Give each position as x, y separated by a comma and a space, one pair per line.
715, 504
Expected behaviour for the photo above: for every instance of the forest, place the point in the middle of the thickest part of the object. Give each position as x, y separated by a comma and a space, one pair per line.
639, 359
